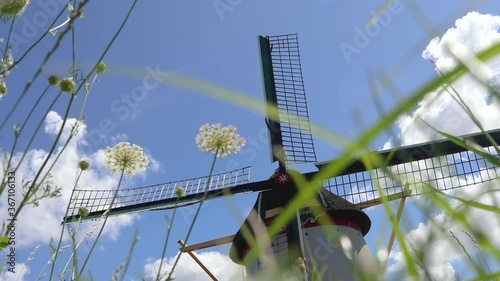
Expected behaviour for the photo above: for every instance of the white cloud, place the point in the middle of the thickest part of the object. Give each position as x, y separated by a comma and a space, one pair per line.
220, 266
441, 241
476, 32
438, 236
64, 173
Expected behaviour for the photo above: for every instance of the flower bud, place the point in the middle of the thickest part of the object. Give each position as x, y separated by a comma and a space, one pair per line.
101, 68
83, 212
84, 165
179, 191
53, 80
79, 14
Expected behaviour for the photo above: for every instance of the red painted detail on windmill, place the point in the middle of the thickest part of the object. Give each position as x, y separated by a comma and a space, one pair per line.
282, 178
246, 250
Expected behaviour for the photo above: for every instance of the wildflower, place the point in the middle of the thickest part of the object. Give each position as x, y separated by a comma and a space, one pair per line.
84, 165
53, 80
13, 7
179, 191
101, 68
223, 140
127, 158
67, 85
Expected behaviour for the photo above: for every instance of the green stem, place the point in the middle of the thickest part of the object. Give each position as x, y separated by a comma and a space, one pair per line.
106, 216
7, 167
129, 256
74, 259
56, 254
7, 46
169, 228
87, 93
73, 49
33, 187
73, 131
18, 134
197, 211
36, 42
107, 48
73, 256
39, 71
36, 130
467, 110
33, 108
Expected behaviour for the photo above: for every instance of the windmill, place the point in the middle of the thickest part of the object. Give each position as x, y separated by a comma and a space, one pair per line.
443, 164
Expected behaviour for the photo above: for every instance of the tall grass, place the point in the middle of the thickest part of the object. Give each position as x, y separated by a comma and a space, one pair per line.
39, 188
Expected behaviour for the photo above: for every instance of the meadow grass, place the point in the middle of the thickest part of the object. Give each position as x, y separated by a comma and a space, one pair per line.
40, 187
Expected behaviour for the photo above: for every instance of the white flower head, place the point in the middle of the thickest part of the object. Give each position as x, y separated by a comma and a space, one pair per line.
13, 7
223, 140
125, 157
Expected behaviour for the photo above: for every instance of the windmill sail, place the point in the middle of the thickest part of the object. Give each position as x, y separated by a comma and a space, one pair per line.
439, 165
154, 197
287, 115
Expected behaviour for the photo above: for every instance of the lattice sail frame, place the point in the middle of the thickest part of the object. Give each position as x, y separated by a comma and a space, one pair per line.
284, 88
452, 167
153, 197
442, 173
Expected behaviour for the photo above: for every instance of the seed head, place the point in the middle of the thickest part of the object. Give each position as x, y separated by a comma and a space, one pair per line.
67, 85
13, 7
53, 80
125, 157
223, 140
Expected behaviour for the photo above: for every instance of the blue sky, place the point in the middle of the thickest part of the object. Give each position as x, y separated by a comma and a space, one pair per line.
199, 41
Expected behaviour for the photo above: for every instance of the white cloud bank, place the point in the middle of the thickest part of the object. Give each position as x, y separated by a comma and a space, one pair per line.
477, 32
37, 225
438, 236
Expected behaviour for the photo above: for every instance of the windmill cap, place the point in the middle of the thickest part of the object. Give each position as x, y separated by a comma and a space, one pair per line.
340, 207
